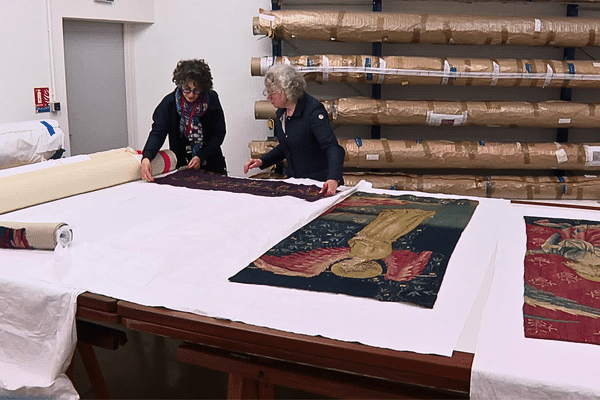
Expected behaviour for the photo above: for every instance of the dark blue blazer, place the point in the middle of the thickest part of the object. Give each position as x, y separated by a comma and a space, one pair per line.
308, 144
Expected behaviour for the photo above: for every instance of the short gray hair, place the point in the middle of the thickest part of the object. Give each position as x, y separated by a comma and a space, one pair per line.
286, 78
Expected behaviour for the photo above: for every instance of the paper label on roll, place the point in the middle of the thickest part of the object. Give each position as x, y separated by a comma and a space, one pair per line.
592, 156
372, 157
267, 17
538, 25
446, 119
564, 120
561, 156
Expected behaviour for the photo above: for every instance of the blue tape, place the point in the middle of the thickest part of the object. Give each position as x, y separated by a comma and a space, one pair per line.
49, 127
560, 179
367, 65
453, 70
571, 68
528, 67
419, 141
358, 141
307, 62
482, 142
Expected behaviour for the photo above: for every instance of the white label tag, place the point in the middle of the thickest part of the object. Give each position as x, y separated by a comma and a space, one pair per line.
446, 119
372, 157
538, 25
561, 156
564, 120
592, 156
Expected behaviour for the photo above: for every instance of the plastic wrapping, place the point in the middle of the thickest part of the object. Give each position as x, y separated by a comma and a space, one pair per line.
367, 111
402, 70
346, 26
29, 142
445, 154
574, 187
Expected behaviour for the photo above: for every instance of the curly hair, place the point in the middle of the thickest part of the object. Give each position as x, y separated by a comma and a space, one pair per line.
286, 78
196, 71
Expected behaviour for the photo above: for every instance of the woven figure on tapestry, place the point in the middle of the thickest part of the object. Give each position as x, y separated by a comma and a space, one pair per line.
562, 280
198, 179
389, 248
13, 238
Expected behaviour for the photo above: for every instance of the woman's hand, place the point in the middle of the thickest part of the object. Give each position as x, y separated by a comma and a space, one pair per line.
252, 163
146, 170
194, 162
329, 187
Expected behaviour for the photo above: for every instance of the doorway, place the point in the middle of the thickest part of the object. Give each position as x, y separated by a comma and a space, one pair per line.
95, 80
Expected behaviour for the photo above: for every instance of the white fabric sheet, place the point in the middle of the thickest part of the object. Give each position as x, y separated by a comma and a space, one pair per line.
509, 366
176, 247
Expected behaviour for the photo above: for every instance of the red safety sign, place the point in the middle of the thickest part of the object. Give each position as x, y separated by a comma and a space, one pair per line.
42, 99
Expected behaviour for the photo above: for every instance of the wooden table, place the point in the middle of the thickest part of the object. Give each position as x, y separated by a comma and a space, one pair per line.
258, 358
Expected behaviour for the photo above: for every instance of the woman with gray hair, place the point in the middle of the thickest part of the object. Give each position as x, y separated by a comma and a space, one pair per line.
306, 139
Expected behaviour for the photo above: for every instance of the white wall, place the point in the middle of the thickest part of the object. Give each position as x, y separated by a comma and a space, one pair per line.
158, 33
220, 32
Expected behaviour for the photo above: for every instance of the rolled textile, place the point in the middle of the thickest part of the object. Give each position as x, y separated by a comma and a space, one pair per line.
42, 235
402, 70
575, 187
96, 171
445, 154
367, 111
346, 26
29, 142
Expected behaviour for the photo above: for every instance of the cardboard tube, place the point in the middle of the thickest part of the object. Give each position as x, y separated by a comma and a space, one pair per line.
98, 171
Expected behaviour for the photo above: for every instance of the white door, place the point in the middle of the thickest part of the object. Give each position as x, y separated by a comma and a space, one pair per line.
95, 78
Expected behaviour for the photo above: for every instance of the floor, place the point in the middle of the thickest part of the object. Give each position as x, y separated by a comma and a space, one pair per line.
146, 367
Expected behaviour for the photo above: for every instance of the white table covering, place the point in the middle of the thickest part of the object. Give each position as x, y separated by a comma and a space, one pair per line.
175, 247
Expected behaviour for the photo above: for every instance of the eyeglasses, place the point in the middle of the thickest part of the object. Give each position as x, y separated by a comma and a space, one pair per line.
270, 93
188, 90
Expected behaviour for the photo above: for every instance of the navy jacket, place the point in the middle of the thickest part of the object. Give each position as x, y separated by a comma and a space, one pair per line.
308, 144
166, 123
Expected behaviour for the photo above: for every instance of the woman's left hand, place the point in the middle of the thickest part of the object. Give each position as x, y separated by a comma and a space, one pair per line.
194, 163
329, 187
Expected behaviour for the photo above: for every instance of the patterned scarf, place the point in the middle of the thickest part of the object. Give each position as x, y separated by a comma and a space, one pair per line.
190, 113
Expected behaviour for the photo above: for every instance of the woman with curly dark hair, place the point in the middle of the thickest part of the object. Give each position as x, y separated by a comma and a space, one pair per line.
192, 117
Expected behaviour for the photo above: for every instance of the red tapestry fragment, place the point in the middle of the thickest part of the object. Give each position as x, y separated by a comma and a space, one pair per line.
562, 280
13, 238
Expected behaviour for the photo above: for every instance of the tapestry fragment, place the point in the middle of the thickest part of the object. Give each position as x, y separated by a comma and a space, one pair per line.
379, 246
198, 179
562, 280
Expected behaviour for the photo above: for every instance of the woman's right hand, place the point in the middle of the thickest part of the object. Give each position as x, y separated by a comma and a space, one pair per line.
147, 170
252, 163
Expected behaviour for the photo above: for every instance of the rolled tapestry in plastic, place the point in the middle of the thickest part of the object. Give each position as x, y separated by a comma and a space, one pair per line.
198, 179
384, 247
562, 280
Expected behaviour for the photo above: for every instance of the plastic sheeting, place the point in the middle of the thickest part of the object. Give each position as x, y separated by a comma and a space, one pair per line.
401, 70
346, 26
447, 154
367, 111
29, 142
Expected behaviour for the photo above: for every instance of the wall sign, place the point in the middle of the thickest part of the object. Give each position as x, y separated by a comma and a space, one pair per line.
42, 99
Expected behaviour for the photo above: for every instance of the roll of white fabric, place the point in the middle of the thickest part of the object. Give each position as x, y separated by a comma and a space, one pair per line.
63, 179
